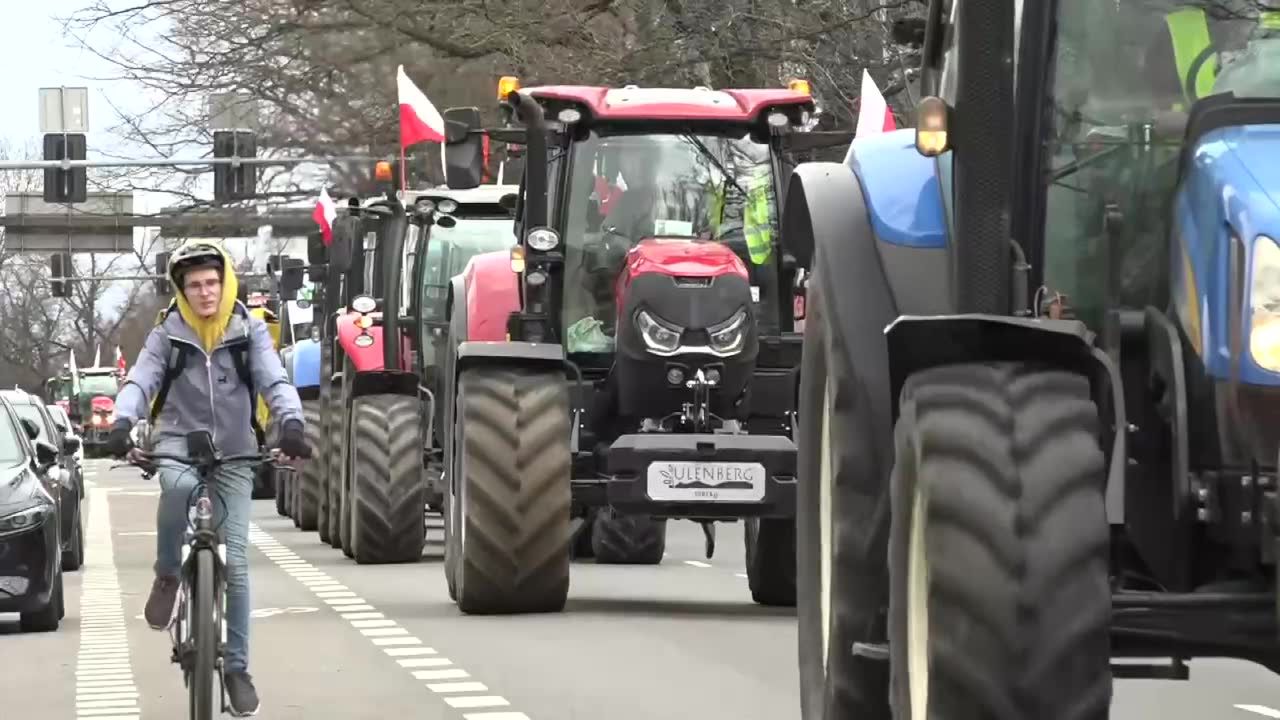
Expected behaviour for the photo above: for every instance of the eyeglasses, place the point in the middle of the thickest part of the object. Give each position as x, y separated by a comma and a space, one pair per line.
208, 286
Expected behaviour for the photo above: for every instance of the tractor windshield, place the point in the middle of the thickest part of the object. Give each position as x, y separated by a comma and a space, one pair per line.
1125, 74
99, 385
625, 188
448, 253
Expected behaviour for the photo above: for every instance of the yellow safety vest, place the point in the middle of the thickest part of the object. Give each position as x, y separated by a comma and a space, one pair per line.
757, 215
1189, 34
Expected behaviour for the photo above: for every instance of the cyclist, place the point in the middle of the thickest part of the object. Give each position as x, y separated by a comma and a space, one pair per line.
209, 392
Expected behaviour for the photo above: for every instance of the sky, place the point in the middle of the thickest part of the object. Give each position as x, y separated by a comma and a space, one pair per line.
36, 54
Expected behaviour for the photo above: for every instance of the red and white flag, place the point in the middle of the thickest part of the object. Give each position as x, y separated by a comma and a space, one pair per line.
874, 115
419, 119
120, 363
324, 214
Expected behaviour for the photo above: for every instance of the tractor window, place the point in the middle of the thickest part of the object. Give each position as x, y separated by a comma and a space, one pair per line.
447, 255
1112, 152
626, 188
99, 385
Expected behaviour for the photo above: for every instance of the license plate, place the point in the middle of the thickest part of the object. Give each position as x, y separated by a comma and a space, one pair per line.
706, 481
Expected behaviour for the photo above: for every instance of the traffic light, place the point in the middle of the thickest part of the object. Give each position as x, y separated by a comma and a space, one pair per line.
65, 186
59, 267
234, 183
162, 269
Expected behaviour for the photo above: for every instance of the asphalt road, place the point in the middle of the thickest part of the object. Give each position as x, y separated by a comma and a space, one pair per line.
332, 640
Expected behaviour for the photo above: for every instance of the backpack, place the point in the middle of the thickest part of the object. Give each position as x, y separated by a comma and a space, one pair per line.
179, 355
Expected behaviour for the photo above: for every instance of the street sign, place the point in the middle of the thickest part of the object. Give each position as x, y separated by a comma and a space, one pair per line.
233, 111
64, 110
33, 225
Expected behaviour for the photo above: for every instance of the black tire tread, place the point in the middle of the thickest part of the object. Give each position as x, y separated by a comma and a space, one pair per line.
201, 693
771, 560
517, 495
627, 539
388, 491
306, 498
1017, 537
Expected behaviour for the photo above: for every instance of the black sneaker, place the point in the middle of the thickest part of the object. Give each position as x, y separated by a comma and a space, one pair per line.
162, 602
241, 695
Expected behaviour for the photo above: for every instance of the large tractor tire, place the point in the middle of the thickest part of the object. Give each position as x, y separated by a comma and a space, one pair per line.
770, 545
306, 480
627, 539
333, 460
513, 464
264, 482
388, 482
999, 547
841, 546
284, 495
321, 458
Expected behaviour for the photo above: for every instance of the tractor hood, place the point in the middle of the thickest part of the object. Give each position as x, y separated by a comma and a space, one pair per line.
1247, 177
681, 257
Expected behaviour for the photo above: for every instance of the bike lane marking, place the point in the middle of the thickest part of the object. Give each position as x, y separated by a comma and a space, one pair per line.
105, 687
441, 676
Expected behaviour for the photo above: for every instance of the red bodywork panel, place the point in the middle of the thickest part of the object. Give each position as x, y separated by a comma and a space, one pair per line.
671, 103
102, 404
492, 295
369, 358
677, 258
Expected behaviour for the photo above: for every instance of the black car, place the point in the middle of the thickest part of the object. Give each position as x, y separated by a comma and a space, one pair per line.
30, 524
67, 473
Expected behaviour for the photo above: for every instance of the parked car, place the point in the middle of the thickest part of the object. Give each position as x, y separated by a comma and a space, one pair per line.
63, 421
30, 524
67, 473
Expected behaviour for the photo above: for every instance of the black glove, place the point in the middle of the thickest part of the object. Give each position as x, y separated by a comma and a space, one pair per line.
293, 442
119, 443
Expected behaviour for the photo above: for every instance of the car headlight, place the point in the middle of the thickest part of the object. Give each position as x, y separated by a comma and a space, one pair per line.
729, 337
32, 517
660, 337
1264, 302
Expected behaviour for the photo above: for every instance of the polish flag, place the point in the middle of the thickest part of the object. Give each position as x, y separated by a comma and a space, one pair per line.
419, 119
874, 115
120, 363
324, 215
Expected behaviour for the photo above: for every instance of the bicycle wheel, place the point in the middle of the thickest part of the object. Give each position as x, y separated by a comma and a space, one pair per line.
204, 638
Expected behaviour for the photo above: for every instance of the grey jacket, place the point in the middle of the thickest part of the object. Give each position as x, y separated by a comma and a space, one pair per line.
209, 395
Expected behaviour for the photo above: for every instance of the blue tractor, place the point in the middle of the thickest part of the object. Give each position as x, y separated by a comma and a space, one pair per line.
298, 493
1040, 400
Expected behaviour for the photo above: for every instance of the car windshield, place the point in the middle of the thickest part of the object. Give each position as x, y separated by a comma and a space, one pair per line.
625, 188
451, 248
99, 385
11, 448
32, 413
59, 417
1126, 72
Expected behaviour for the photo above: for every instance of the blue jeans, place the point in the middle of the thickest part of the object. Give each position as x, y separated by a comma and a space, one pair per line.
232, 506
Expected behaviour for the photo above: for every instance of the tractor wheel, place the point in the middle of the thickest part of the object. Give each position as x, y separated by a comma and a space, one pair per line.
264, 482
842, 580
284, 495
999, 546
345, 506
627, 539
333, 459
513, 464
388, 483
306, 479
321, 458
771, 560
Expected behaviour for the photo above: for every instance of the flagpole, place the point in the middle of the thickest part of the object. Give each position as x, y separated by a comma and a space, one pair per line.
404, 172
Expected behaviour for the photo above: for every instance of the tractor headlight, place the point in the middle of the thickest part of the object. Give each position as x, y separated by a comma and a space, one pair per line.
1264, 301
543, 239
729, 337
661, 338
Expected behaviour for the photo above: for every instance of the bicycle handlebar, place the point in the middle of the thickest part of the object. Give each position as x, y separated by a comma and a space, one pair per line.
216, 461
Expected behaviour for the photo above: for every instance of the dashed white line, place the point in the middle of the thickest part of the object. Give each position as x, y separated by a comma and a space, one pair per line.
104, 676
1262, 710
697, 563
452, 683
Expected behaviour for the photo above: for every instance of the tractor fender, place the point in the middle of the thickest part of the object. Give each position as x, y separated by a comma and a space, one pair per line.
492, 293
368, 358
918, 343
472, 339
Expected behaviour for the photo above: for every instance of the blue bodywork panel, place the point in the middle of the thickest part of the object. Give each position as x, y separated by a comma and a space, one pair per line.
901, 188
1232, 187
306, 363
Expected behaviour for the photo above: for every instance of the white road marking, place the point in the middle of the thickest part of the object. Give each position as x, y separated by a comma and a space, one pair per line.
104, 676
1262, 710
452, 683
696, 563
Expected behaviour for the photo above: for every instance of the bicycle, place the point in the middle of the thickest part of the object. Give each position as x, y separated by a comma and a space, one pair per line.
198, 629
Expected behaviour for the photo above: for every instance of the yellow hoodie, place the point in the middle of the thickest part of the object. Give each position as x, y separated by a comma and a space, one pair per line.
210, 330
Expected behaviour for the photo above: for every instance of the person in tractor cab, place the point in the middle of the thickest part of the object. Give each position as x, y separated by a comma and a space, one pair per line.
213, 356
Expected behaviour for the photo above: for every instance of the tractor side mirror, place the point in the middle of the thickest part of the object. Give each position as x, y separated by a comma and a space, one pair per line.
463, 149
291, 278
346, 234
909, 31
509, 202
317, 256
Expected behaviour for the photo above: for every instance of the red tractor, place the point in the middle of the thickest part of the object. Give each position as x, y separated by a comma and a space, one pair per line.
633, 358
